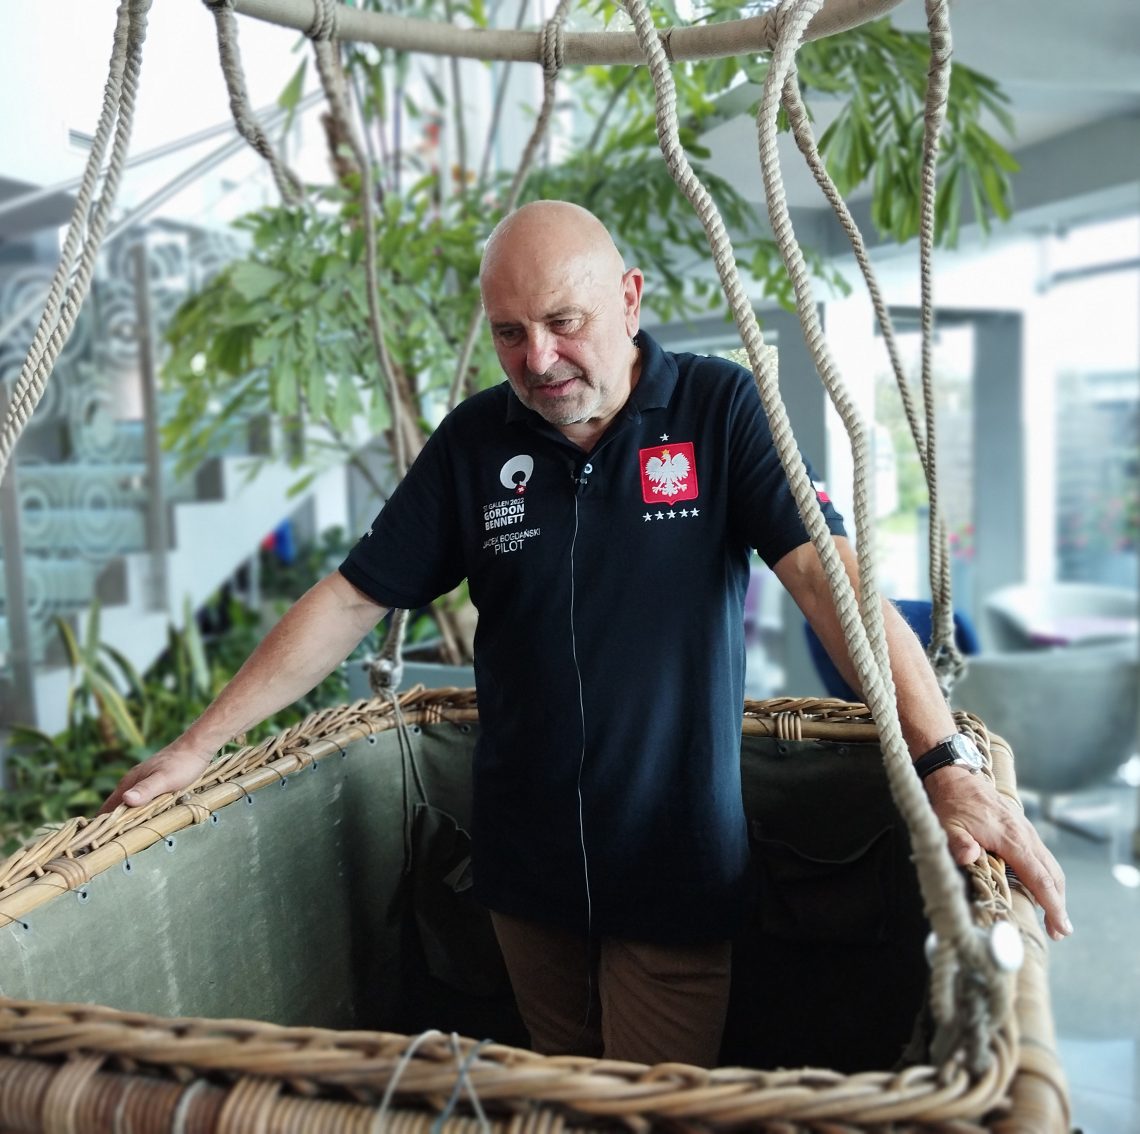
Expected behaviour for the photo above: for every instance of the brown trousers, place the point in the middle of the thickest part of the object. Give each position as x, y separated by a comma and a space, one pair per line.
624, 1000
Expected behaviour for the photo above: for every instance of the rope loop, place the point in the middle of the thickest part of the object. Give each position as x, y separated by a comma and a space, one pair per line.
553, 46
781, 16
288, 183
324, 22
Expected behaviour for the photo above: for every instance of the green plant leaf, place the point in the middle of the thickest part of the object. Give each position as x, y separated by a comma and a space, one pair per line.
195, 650
290, 96
116, 708
253, 281
70, 643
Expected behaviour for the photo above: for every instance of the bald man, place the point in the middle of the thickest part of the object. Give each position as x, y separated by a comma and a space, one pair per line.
603, 504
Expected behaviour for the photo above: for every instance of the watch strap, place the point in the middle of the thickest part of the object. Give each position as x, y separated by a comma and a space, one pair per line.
942, 754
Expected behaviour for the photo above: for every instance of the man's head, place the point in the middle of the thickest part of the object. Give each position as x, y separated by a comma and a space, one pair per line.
563, 311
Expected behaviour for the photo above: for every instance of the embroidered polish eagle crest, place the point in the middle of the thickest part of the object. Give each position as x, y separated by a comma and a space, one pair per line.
668, 473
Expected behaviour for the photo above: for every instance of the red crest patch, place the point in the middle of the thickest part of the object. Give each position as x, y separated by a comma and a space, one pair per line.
668, 473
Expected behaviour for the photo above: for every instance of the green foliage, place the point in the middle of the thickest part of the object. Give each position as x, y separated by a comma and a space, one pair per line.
282, 333
880, 74
117, 717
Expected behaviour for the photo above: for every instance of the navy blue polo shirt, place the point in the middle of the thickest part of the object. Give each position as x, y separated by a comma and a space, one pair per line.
609, 652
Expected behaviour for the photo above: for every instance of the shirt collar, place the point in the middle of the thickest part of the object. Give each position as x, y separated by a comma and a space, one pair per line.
654, 388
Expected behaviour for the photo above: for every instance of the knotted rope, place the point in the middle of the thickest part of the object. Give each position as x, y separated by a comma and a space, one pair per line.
87, 225
962, 976
288, 183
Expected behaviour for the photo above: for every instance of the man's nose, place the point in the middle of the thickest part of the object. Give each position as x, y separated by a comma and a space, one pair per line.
540, 351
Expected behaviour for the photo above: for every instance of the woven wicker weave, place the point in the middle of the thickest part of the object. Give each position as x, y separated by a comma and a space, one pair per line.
83, 1068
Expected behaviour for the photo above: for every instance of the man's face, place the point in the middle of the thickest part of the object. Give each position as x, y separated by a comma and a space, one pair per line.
563, 338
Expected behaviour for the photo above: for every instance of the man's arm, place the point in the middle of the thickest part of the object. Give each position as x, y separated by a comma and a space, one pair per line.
315, 635
972, 813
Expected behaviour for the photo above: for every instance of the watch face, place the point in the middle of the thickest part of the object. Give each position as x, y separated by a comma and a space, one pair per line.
966, 752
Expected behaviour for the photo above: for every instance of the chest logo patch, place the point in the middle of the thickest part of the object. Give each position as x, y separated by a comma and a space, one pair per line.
510, 513
668, 473
516, 473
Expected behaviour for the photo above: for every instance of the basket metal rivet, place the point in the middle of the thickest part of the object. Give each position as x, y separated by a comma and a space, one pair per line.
930, 946
1007, 949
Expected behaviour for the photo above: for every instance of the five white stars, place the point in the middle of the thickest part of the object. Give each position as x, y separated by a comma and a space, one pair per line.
684, 513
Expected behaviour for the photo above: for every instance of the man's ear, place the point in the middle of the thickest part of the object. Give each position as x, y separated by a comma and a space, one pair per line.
632, 283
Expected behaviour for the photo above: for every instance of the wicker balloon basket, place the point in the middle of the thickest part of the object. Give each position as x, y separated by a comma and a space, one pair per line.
293, 946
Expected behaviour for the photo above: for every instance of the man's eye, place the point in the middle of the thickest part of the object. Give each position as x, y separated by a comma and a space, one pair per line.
507, 334
561, 324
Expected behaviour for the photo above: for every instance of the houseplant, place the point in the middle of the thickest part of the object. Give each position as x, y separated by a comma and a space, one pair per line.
280, 332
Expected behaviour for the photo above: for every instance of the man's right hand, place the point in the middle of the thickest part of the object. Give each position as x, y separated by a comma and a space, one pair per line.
313, 637
172, 768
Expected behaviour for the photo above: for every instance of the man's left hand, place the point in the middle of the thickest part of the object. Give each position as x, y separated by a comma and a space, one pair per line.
975, 816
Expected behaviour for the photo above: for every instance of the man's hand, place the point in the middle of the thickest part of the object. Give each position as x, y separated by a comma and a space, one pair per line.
975, 816
316, 634
172, 768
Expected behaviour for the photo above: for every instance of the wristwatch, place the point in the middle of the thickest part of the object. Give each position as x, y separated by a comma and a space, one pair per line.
958, 749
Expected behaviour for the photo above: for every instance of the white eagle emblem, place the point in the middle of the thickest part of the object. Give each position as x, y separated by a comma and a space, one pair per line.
668, 472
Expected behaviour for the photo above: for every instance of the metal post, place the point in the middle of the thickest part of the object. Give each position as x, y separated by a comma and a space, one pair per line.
157, 532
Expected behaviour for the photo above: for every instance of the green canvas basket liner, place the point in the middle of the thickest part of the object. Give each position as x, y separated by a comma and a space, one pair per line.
339, 897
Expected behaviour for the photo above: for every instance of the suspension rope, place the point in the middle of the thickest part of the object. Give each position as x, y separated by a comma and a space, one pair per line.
322, 32
944, 651
802, 131
553, 51
87, 225
970, 990
945, 658
965, 986
960, 966
288, 183
385, 671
